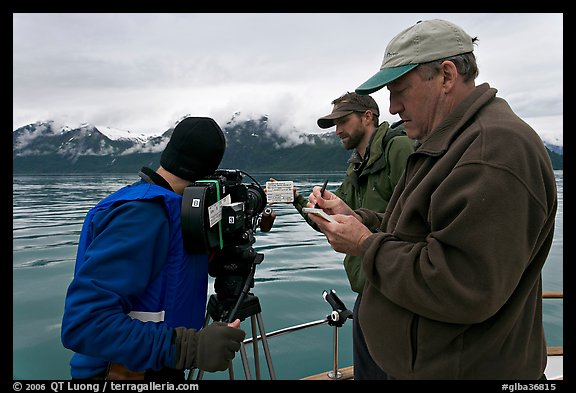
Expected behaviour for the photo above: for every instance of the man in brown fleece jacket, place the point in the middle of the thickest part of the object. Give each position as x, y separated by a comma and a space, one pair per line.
453, 267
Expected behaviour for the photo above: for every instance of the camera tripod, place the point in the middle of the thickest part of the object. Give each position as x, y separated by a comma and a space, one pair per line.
247, 305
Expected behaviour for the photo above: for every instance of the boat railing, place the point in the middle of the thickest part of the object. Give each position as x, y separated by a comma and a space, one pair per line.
554, 350
289, 329
339, 316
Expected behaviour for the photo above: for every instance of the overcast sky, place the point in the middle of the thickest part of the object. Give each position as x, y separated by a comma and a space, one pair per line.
142, 72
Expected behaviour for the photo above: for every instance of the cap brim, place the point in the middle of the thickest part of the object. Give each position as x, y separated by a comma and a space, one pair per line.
382, 78
328, 120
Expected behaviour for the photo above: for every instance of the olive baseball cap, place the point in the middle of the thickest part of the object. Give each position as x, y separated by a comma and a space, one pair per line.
424, 42
346, 104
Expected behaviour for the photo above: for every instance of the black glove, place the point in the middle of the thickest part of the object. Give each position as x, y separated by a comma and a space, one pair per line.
210, 349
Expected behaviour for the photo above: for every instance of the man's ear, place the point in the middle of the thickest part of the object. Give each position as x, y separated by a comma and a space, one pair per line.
450, 75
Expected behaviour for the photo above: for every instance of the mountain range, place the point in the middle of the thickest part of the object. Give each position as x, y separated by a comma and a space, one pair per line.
252, 146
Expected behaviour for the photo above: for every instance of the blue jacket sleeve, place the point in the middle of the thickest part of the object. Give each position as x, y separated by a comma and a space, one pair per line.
129, 247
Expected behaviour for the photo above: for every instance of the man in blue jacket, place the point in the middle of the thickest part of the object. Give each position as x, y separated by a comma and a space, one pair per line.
137, 300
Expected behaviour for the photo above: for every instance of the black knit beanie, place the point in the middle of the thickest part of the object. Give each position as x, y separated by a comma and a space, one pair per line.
195, 148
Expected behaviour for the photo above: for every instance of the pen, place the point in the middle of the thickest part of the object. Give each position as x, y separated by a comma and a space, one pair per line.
322, 191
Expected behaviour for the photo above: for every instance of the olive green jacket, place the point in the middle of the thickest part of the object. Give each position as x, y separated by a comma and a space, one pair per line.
369, 186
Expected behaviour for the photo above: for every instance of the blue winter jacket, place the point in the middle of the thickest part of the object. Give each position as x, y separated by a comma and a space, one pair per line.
131, 267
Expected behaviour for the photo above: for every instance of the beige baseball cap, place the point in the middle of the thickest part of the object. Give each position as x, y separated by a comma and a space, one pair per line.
424, 42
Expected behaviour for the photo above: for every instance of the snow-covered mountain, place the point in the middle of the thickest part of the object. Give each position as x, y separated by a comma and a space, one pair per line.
118, 134
251, 145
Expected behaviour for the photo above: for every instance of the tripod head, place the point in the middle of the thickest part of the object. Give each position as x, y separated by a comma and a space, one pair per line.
233, 268
233, 300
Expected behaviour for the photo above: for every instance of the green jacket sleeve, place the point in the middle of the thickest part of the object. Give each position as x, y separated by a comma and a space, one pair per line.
299, 203
398, 151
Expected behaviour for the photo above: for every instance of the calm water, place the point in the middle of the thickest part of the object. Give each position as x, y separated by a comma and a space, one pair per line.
298, 266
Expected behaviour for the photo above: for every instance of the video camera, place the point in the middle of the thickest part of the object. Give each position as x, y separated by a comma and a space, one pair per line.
224, 200
219, 217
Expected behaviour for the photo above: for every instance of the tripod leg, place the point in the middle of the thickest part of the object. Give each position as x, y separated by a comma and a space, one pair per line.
245, 362
231, 371
265, 345
255, 347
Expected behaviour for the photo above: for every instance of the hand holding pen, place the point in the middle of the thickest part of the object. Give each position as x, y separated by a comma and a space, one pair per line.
322, 192
332, 203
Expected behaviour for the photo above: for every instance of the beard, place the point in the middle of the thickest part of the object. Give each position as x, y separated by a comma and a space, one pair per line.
353, 139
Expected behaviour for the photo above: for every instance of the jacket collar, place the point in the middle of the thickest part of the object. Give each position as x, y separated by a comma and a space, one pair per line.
373, 150
439, 140
150, 176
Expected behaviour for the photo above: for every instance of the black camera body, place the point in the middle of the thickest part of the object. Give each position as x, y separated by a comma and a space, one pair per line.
219, 216
240, 205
